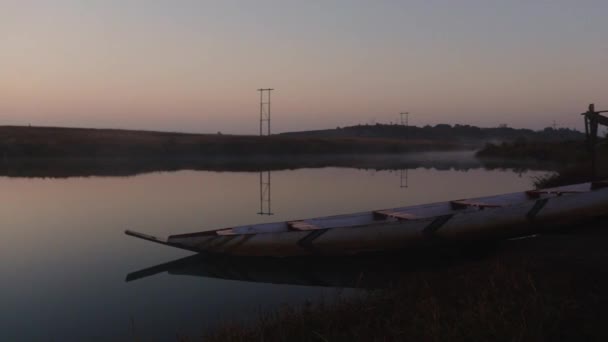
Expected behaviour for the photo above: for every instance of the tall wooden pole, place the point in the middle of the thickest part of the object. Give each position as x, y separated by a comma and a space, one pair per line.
592, 120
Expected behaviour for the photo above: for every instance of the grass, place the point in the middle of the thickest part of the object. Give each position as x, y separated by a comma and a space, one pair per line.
83, 167
570, 159
51, 142
571, 175
548, 288
562, 152
66, 152
421, 309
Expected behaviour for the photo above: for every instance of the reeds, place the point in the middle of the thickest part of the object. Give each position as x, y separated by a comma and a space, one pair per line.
552, 289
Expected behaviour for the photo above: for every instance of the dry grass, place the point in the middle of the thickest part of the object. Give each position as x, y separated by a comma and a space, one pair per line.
571, 158
49, 142
546, 289
561, 152
573, 174
502, 305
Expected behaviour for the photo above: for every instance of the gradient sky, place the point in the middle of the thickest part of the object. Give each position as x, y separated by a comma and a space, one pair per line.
195, 65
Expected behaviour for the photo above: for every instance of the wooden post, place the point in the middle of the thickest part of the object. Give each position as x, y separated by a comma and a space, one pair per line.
592, 120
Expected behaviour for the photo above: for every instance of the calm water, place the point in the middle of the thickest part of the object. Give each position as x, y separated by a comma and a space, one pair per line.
64, 257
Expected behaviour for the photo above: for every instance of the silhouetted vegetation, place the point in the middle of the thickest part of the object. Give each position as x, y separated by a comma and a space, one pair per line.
561, 152
443, 132
546, 288
570, 159
49, 142
64, 152
84, 167
573, 174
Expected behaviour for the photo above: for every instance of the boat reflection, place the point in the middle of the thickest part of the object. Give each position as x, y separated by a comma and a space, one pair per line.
367, 271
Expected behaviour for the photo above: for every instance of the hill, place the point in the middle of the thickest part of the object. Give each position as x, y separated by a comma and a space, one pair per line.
55, 142
464, 134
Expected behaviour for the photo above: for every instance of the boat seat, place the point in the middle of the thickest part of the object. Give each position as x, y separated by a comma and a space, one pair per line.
537, 193
463, 204
228, 231
384, 214
301, 225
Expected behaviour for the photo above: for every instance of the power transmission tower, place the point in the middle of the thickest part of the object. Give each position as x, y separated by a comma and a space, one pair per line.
265, 109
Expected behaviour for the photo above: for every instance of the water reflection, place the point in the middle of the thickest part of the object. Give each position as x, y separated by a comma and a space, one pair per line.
373, 271
265, 194
64, 256
83, 167
403, 177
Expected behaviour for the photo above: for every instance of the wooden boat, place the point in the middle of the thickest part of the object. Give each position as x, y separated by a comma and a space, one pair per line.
459, 221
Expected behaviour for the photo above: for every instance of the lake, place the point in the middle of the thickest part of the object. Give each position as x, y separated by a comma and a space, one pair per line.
64, 256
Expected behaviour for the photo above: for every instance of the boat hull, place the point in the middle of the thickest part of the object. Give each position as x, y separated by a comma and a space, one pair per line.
491, 218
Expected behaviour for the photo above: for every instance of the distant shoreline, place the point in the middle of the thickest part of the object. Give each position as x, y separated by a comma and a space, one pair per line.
59, 142
81, 152
55, 142
90, 167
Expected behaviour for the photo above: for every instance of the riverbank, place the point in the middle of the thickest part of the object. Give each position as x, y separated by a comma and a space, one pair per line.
75, 152
570, 159
564, 152
87, 167
573, 174
550, 287
53, 142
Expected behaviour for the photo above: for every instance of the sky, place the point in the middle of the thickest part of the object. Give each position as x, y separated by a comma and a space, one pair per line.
194, 66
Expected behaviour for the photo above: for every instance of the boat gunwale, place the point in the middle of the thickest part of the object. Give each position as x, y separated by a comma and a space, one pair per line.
549, 192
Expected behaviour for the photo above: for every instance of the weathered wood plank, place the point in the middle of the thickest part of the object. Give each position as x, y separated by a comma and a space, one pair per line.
301, 225
538, 193
463, 204
395, 214
228, 231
